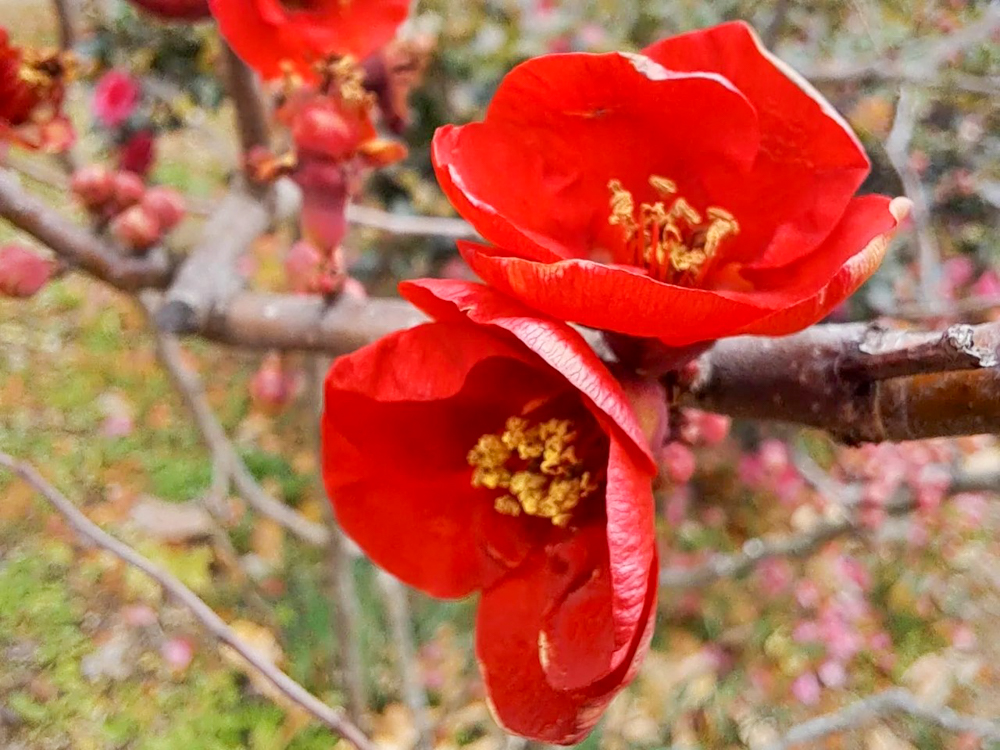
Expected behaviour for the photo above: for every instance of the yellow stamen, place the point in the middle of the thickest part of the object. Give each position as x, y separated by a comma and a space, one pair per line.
673, 244
546, 480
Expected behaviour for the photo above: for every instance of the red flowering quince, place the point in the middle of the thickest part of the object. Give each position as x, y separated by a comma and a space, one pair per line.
278, 37
32, 89
492, 451
336, 144
701, 189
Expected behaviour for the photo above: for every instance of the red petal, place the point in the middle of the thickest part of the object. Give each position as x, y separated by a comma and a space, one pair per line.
868, 224
561, 347
399, 418
534, 176
810, 162
509, 627
613, 298
265, 34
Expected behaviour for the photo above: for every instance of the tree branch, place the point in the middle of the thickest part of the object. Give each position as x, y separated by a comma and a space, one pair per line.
858, 382
226, 460
78, 246
251, 114
332, 718
879, 706
820, 378
208, 276
429, 226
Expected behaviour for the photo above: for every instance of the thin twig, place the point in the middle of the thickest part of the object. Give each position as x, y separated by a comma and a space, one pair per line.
76, 245
251, 113
897, 147
428, 226
225, 457
332, 718
401, 625
341, 581
882, 705
756, 551
66, 13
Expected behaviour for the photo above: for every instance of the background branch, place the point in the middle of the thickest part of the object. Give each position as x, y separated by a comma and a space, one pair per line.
879, 706
332, 718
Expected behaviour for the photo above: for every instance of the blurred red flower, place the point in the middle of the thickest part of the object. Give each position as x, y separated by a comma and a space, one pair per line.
336, 144
699, 190
175, 10
22, 272
115, 98
492, 451
277, 37
32, 88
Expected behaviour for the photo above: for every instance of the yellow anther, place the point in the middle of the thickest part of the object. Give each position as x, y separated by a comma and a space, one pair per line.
674, 244
537, 465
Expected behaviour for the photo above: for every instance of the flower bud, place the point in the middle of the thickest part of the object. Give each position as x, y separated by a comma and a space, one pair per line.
128, 189
166, 204
136, 228
22, 273
93, 185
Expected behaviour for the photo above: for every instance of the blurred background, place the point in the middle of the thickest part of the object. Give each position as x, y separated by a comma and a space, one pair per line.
92, 657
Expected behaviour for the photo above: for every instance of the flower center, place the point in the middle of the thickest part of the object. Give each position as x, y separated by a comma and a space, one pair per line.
43, 71
674, 244
538, 466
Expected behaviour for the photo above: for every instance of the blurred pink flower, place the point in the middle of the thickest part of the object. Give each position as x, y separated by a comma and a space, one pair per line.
115, 98
987, 286
832, 674
677, 462
807, 594
22, 273
177, 653
806, 689
774, 576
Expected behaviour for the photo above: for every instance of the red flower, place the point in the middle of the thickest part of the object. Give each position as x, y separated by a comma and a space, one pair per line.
115, 98
492, 451
22, 273
696, 191
336, 144
275, 37
32, 87
175, 10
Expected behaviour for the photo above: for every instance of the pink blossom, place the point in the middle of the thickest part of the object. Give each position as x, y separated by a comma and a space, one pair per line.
880, 641
832, 674
972, 506
774, 576
178, 653
678, 462
806, 631
987, 286
958, 271
963, 637
751, 471
807, 594
806, 689
714, 427
22, 272
115, 98
676, 507
774, 455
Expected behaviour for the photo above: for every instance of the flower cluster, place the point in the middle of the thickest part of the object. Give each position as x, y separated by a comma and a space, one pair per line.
698, 190
32, 88
138, 216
